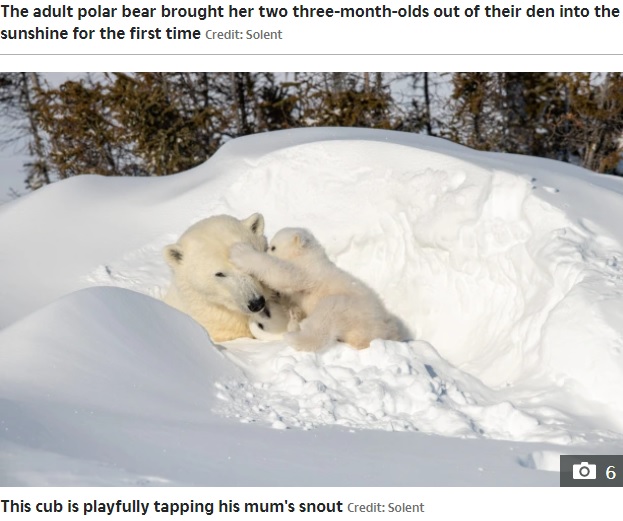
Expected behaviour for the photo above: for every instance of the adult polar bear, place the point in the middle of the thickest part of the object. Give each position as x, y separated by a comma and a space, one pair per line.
206, 285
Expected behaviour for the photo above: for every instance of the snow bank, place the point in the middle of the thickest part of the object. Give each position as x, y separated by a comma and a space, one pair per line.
510, 289
96, 384
506, 269
390, 386
109, 387
109, 349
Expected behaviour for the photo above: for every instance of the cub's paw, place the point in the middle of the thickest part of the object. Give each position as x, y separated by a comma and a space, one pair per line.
295, 316
301, 342
241, 254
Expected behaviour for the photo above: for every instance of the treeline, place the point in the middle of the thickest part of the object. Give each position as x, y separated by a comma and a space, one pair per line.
149, 124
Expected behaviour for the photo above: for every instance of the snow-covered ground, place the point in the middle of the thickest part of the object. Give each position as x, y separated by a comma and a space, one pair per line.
508, 270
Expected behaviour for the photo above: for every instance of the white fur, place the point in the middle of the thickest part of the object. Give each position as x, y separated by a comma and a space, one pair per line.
220, 304
337, 305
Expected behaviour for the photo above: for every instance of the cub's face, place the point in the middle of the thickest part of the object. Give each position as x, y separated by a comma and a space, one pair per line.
290, 243
269, 324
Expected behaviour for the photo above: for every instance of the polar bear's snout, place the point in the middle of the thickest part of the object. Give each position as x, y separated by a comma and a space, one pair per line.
256, 304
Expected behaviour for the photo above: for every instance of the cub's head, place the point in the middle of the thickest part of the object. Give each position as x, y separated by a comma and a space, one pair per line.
271, 323
200, 263
292, 243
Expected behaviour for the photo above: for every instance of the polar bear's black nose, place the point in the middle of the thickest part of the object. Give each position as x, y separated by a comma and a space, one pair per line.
257, 304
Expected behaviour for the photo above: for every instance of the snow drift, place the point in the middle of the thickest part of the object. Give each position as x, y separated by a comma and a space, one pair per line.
506, 269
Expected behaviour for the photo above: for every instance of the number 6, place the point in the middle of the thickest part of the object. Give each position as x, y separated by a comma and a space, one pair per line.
610, 473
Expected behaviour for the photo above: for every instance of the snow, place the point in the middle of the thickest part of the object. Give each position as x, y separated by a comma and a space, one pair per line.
507, 270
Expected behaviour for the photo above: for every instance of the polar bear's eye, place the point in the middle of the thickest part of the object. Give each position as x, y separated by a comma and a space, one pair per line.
219, 274
273, 248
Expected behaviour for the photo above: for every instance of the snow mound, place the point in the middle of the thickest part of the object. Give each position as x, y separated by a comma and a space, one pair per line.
112, 350
391, 386
542, 460
521, 294
507, 270
91, 382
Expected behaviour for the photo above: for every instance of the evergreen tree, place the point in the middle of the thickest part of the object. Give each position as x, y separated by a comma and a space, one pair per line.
591, 126
343, 99
425, 111
148, 124
18, 94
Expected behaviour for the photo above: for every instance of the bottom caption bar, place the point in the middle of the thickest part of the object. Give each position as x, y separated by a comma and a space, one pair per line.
591, 471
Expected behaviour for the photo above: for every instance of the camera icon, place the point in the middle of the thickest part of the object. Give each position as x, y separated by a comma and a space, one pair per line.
584, 470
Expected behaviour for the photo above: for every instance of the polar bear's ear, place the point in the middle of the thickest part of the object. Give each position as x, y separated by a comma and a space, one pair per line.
255, 223
173, 254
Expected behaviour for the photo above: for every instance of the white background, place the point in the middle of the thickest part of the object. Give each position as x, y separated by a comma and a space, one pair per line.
395, 35
439, 503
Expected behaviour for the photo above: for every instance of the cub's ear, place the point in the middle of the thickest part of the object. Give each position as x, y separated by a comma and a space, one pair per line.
302, 238
173, 255
255, 223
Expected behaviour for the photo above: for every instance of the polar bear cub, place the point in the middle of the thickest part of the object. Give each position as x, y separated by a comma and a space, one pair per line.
278, 316
336, 305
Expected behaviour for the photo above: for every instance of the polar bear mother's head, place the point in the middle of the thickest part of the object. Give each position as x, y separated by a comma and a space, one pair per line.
202, 273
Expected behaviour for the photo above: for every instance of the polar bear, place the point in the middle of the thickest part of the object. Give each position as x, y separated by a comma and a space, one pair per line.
206, 285
278, 316
336, 305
